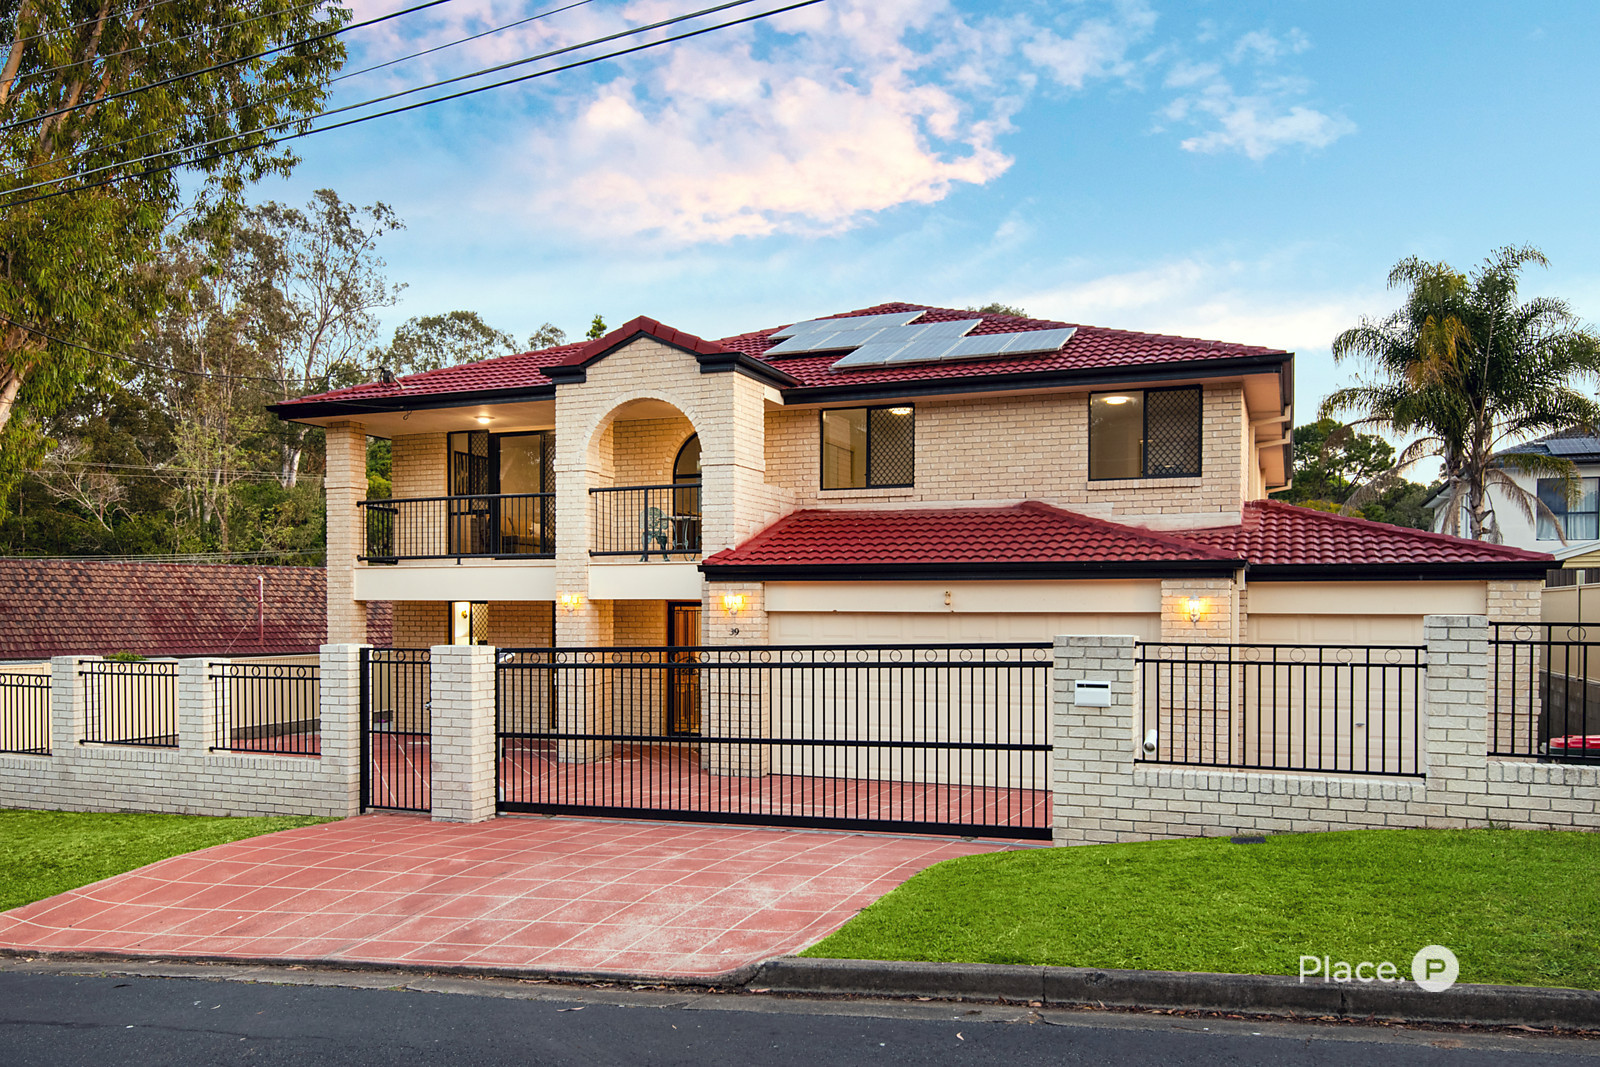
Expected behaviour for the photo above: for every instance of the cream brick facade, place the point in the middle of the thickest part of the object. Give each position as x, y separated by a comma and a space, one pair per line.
986, 449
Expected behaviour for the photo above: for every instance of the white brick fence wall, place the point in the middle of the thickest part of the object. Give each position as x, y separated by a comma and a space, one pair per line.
1102, 793
1101, 790
191, 778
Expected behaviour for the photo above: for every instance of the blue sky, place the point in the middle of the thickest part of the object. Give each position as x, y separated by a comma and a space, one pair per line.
1238, 171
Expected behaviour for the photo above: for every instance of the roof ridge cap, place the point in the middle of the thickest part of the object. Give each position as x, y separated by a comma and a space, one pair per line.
1160, 536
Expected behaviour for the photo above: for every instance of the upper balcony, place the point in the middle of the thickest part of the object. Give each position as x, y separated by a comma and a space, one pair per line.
628, 520
475, 525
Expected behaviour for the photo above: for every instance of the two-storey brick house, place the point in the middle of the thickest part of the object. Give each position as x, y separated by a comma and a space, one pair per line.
894, 474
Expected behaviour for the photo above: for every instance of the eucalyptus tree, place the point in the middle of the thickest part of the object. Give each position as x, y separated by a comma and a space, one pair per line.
1465, 370
98, 100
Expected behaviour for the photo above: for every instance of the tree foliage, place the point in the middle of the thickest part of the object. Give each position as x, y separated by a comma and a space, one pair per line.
80, 267
997, 308
1334, 467
1463, 369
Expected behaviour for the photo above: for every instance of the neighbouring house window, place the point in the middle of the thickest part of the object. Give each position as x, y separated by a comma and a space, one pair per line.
868, 448
1579, 520
1144, 433
469, 622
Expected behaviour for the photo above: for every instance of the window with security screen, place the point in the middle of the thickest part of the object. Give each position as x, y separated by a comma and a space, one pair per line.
868, 448
1145, 433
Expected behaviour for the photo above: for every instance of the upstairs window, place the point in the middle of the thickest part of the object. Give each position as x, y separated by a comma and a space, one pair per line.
868, 448
1579, 520
1149, 433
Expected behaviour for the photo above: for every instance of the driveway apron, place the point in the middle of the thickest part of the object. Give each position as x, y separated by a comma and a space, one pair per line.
557, 895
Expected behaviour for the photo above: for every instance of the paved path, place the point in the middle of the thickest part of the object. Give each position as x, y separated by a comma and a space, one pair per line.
587, 895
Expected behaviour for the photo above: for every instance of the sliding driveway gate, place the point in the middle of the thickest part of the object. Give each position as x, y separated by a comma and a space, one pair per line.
396, 729
948, 739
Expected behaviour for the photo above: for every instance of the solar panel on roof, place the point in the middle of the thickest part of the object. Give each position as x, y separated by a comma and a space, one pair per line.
858, 322
1572, 446
1038, 341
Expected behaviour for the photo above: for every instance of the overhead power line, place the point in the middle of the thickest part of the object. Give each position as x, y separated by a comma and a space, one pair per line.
633, 31
171, 40
274, 98
409, 107
224, 65
90, 22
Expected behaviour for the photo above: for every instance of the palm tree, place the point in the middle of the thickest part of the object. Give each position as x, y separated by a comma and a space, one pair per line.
1469, 370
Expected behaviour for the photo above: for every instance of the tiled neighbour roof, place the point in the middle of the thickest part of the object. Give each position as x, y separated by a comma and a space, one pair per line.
1029, 532
1090, 348
1273, 533
61, 607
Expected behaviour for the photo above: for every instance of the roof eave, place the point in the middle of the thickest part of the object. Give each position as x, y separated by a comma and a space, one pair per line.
1507, 570
295, 411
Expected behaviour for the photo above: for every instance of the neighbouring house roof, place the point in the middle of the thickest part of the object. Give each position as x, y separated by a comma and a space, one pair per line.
63, 607
1577, 445
1092, 353
1273, 540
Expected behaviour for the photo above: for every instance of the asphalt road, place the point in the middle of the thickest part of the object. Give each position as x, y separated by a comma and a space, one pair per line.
58, 1014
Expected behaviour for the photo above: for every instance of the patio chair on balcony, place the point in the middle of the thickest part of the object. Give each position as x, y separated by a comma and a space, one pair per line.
654, 526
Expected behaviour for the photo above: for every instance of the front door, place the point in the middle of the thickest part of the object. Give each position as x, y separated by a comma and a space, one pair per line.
683, 680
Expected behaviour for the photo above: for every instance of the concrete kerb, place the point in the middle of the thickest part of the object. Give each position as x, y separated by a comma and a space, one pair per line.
1247, 994
1268, 996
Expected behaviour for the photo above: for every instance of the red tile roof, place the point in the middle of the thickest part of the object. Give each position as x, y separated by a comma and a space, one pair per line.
63, 607
1029, 532
1273, 533
1090, 348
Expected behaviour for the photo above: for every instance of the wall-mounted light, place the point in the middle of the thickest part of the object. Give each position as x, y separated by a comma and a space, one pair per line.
733, 603
1196, 608
570, 602
899, 411
484, 420
1118, 399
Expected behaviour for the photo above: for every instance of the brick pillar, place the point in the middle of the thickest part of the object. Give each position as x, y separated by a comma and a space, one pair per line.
1455, 740
346, 486
197, 708
736, 701
68, 709
1092, 762
463, 733
339, 707
1516, 697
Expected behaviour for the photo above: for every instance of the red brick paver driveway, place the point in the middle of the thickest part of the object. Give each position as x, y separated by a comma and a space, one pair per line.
560, 895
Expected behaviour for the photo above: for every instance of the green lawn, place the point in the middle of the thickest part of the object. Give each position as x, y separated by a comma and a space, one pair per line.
1517, 907
43, 853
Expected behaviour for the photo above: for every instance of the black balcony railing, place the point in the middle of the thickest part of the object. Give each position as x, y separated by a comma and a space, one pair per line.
645, 519
452, 527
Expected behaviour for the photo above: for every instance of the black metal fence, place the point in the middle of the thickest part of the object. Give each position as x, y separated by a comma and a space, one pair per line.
931, 738
646, 519
1544, 691
453, 527
131, 703
1352, 709
396, 728
25, 713
268, 707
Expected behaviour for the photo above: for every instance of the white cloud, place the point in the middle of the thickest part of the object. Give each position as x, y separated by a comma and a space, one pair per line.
860, 106
1258, 126
1258, 121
